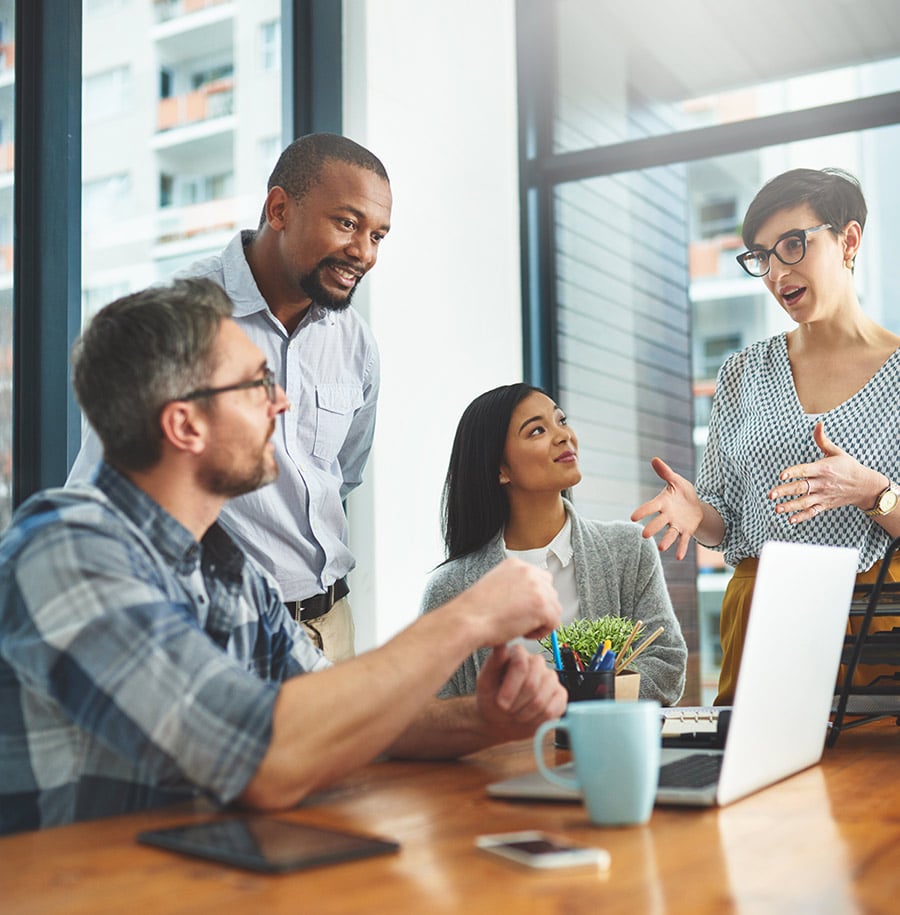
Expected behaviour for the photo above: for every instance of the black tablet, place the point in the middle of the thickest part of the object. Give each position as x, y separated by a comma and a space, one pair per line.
263, 843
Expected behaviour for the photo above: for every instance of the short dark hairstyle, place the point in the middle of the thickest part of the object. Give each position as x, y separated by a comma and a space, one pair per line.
138, 354
300, 165
474, 506
834, 195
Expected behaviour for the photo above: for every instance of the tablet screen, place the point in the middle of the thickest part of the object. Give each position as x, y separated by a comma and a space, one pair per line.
267, 844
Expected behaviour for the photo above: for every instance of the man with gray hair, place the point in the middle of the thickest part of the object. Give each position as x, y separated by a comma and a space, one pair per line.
327, 209
145, 658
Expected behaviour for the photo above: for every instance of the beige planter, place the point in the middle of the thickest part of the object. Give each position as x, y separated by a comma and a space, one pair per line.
628, 684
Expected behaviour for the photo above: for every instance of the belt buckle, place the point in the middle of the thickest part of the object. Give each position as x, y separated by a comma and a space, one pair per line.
326, 598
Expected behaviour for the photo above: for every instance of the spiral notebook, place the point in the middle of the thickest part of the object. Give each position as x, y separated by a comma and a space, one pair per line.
783, 699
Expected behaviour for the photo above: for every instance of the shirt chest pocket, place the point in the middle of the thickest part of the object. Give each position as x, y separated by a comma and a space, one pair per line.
335, 406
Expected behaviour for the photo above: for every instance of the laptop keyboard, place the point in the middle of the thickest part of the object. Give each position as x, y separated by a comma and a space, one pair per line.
696, 771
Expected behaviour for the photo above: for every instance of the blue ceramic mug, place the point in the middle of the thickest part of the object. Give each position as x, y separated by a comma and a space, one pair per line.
615, 746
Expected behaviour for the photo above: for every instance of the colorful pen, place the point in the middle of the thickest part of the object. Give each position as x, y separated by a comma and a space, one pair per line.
608, 661
568, 658
599, 655
554, 644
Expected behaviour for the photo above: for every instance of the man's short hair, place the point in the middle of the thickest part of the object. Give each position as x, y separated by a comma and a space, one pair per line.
139, 353
298, 168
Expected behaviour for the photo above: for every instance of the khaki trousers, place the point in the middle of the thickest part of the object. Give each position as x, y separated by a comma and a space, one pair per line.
334, 632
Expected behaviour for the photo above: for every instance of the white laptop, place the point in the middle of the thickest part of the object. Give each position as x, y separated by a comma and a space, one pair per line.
784, 693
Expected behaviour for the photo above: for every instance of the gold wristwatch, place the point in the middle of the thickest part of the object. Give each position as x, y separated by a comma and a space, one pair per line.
886, 501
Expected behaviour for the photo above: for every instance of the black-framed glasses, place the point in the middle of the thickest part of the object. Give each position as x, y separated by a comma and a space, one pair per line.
267, 381
790, 250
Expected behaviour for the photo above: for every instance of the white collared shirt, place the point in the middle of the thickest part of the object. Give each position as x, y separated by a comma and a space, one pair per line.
557, 556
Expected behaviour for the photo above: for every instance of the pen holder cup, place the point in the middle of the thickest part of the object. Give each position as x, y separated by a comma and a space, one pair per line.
584, 686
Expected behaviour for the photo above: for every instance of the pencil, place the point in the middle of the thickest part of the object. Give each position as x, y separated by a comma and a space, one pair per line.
637, 628
645, 644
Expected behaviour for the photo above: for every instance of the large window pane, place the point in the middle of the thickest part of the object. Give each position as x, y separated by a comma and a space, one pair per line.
627, 125
182, 125
646, 69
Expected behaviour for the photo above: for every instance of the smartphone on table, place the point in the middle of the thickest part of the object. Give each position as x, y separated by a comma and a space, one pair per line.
534, 848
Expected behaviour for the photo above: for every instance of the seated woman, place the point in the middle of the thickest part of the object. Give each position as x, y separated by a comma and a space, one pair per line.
513, 456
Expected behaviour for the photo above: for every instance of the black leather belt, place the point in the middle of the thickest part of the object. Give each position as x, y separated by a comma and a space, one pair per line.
319, 604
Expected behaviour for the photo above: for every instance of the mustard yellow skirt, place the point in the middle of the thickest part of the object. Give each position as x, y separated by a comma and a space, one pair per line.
736, 613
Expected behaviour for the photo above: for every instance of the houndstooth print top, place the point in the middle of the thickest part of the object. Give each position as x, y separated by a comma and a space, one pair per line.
757, 427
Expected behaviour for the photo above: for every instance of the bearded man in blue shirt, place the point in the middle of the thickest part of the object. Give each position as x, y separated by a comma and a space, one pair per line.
146, 659
292, 279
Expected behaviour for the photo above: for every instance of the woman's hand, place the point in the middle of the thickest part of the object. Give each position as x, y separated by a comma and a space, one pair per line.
677, 510
834, 480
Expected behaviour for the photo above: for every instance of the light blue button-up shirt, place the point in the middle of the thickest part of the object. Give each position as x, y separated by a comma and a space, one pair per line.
329, 367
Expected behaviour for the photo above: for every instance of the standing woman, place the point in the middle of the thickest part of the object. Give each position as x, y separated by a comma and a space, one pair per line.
803, 435
513, 455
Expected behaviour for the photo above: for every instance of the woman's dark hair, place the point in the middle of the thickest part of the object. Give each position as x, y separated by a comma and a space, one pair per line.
474, 507
834, 195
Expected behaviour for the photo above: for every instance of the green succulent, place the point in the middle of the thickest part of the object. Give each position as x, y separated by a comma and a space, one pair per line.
586, 635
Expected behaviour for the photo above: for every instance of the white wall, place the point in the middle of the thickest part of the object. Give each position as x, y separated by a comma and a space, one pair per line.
431, 89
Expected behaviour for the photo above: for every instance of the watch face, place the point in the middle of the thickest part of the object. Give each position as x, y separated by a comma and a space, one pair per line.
887, 502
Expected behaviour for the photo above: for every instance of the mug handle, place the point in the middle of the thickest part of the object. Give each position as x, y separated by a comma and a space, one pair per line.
543, 768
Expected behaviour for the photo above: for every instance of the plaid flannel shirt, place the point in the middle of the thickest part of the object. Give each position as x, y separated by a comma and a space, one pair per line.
138, 667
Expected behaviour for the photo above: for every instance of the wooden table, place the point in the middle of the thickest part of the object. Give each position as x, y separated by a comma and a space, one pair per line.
824, 841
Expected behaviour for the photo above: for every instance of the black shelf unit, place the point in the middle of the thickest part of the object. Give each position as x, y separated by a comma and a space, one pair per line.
880, 697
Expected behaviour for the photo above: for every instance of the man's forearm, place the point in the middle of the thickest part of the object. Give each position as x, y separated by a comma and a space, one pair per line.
446, 729
326, 724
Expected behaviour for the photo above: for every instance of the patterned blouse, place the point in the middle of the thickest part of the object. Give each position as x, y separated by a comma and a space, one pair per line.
757, 428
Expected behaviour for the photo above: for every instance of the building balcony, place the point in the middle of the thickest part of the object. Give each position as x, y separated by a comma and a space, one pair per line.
713, 257
214, 100
7, 56
177, 224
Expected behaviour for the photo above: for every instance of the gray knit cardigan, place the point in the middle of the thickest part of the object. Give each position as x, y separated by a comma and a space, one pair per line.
617, 572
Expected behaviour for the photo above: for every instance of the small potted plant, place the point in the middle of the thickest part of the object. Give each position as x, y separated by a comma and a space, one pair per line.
626, 638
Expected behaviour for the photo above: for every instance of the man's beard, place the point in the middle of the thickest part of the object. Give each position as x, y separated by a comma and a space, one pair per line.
231, 482
312, 286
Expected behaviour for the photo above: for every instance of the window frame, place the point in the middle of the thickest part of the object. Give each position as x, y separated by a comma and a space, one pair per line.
540, 169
